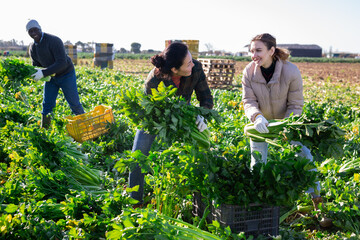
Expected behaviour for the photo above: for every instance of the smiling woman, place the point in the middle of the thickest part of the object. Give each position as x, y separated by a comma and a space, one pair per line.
173, 67
271, 79
273, 89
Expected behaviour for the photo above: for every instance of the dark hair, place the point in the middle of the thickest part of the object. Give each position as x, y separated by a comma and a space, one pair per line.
270, 42
173, 56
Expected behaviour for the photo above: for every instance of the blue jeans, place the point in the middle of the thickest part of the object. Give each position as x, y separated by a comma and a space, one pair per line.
142, 142
67, 83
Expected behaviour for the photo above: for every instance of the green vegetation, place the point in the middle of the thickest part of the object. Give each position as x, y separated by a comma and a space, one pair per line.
164, 114
52, 187
322, 137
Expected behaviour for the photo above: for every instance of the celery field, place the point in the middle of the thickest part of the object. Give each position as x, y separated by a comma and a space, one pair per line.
52, 187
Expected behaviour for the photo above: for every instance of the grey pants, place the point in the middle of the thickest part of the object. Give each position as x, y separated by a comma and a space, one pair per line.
262, 148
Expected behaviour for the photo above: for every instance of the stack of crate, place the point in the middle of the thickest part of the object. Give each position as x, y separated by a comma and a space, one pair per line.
219, 72
71, 51
193, 46
104, 55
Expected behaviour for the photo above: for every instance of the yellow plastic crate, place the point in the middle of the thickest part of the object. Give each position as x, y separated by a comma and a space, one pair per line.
90, 125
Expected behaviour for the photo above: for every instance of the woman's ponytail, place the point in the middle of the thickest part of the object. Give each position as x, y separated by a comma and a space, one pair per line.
281, 53
158, 61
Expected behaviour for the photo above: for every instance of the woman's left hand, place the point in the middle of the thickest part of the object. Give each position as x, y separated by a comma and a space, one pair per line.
200, 122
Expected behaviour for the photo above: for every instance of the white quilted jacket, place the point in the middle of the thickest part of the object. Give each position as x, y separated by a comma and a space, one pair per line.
277, 99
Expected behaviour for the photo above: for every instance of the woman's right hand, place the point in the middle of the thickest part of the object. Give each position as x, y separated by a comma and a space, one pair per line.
260, 124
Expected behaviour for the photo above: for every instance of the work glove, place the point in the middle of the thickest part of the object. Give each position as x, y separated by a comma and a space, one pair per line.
38, 75
200, 122
260, 124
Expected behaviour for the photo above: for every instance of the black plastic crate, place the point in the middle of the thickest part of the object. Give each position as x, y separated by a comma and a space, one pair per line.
260, 220
264, 220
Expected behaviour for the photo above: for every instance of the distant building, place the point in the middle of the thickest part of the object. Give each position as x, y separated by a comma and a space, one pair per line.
241, 54
302, 50
344, 55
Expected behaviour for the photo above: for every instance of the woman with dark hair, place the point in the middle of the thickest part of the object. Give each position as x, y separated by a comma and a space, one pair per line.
273, 89
174, 66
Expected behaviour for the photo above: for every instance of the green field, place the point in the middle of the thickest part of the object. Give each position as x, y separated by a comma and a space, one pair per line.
52, 187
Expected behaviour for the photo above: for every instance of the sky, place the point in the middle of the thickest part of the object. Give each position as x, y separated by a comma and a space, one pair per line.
226, 25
